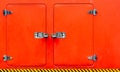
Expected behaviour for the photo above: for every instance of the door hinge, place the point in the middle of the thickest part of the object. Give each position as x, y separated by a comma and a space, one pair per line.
6, 12
94, 57
93, 12
7, 58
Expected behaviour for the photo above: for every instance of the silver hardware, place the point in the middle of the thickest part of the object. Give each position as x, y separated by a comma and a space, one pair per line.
94, 58
94, 12
40, 35
59, 35
6, 58
6, 12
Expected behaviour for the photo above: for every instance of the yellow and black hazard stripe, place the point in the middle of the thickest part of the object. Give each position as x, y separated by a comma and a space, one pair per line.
59, 70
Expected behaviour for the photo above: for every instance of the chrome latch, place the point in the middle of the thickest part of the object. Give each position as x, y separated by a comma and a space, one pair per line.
94, 12
6, 12
59, 35
94, 58
6, 58
40, 35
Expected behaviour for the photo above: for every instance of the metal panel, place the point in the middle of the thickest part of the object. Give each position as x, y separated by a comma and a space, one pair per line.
22, 46
77, 46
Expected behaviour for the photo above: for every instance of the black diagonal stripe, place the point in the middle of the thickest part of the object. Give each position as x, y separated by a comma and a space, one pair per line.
112, 70
119, 69
26, 70
82, 70
98, 70
75, 70
3, 70
115, 70
78, 70
88, 70
57, 70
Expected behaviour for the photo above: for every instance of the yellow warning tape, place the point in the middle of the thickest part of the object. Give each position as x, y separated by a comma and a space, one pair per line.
59, 70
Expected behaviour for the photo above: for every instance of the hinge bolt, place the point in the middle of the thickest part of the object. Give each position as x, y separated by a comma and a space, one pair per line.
6, 58
94, 12
6, 12
94, 58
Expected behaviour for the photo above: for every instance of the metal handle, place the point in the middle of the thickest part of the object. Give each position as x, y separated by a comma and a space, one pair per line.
40, 35
59, 35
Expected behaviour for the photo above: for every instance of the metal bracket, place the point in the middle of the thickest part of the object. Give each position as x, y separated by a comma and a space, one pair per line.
94, 57
6, 58
6, 12
94, 12
40, 35
59, 35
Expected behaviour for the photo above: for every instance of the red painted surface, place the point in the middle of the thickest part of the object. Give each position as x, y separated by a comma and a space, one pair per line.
21, 44
85, 34
74, 20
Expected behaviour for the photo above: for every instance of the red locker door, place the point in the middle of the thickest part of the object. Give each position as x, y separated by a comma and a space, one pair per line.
77, 26
23, 46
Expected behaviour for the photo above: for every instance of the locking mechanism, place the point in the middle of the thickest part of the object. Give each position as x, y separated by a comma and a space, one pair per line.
7, 58
40, 35
59, 35
93, 58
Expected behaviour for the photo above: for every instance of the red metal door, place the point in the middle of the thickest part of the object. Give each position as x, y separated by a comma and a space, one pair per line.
22, 46
77, 46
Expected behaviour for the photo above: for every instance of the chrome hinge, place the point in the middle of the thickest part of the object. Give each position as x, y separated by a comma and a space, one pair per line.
40, 35
94, 57
94, 12
6, 12
6, 58
59, 35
